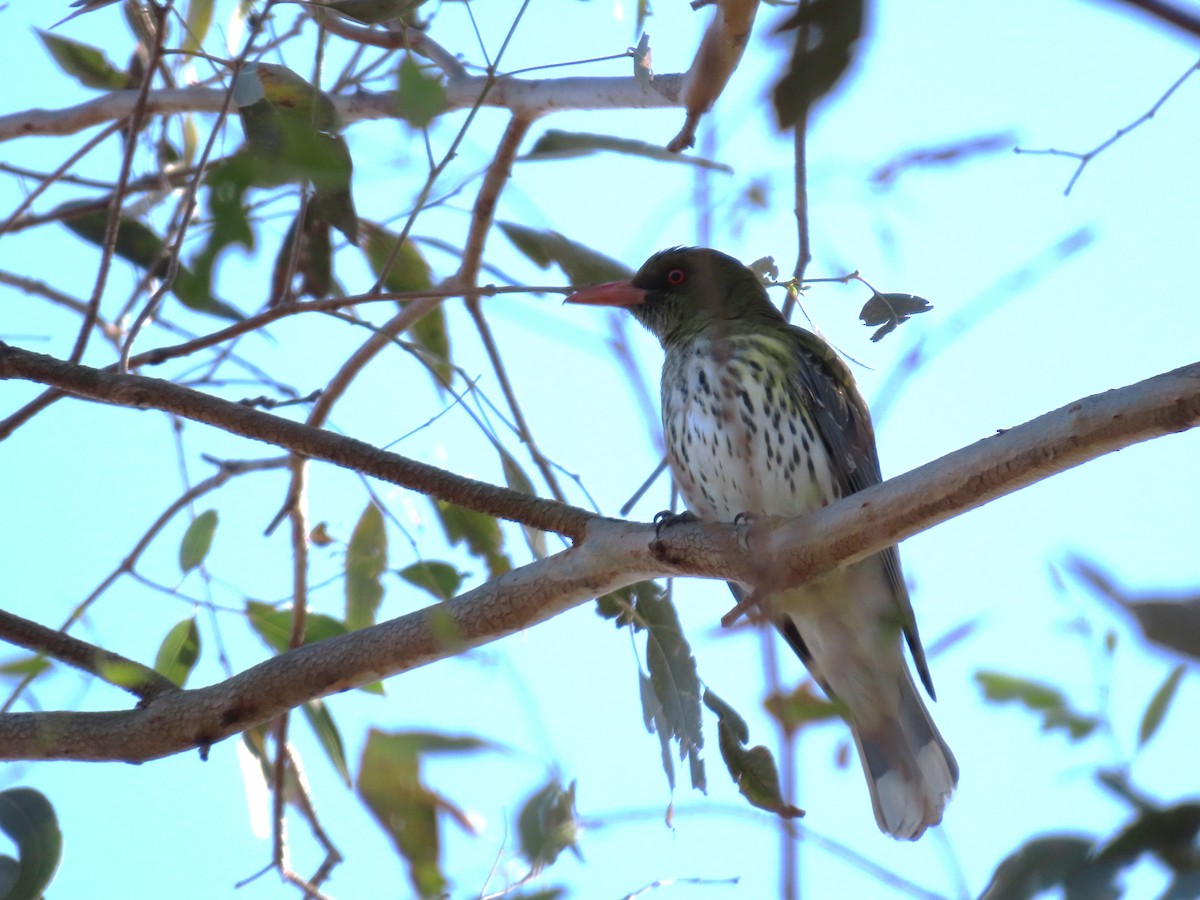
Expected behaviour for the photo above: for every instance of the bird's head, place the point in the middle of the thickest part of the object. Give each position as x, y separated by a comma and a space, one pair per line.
686, 291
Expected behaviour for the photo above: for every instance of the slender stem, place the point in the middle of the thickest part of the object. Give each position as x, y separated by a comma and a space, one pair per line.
113, 225
57, 175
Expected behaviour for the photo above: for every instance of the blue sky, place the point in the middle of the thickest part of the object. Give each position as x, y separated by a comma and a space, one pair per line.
80, 483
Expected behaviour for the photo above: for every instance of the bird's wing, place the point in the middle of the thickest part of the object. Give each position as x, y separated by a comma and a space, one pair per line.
844, 421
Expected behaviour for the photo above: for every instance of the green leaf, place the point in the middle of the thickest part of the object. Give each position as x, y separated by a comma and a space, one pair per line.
10, 869
548, 824
373, 12
1163, 832
136, 241
515, 478
274, 626
753, 769
1170, 622
618, 605
673, 679
479, 531
366, 561
800, 707
433, 742
431, 335
178, 652
419, 98
84, 63
227, 184
311, 259
24, 667
653, 715
670, 694
139, 244
832, 28
330, 738
28, 819
330, 173
555, 144
197, 540
890, 310
389, 783
292, 127
643, 11
1159, 703
1041, 698
438, 578
409, 270
1168, 834
1037, 865
122, 673
288, 95
198, 19
580, 264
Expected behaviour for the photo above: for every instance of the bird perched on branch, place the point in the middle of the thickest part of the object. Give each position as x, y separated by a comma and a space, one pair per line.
762, 418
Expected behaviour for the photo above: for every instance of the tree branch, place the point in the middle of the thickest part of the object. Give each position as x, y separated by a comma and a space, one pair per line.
1171, 15
529, 98
767, 553
152, 393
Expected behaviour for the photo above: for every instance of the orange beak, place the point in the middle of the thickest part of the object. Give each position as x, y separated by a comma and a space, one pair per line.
615, 293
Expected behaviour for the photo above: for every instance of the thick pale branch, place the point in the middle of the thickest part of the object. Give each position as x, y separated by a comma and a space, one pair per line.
528, 98
767, 553
614, 554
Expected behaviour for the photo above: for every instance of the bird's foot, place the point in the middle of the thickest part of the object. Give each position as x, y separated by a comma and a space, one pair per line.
745, 518
666, 519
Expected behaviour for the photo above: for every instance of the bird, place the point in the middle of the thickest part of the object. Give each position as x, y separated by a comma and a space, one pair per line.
762, 418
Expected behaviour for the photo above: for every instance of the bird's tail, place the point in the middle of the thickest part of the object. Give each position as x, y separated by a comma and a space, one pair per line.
910, 770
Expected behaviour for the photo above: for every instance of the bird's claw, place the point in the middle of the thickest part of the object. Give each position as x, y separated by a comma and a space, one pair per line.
744, 518
666, 519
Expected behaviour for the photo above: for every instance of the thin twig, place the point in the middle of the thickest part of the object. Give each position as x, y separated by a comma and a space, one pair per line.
1087, 157
32, 286
113, 225
482, 216
418, 303
187, 204
57, 174
227, 471
397, 38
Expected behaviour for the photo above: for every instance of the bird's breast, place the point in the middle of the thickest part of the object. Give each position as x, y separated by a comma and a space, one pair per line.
739, 437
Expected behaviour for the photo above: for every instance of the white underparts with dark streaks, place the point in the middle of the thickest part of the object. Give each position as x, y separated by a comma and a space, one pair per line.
737, 440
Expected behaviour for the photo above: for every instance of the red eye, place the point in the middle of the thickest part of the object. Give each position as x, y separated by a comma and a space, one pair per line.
676, 277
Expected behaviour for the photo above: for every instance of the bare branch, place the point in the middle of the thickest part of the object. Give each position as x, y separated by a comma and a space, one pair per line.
397, 37
1172, 15
1087, 156
527, 97
137, 116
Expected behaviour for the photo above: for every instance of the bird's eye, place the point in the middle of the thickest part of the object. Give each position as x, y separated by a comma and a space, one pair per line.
676, 277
